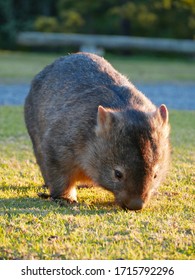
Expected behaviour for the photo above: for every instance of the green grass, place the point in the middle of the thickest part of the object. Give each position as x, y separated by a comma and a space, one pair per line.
21, 66
32, 228
154, 69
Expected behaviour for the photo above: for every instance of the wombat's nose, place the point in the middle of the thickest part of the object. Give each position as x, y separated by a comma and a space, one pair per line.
135, 204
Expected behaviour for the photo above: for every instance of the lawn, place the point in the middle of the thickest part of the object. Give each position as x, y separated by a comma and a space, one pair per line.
21, 67
32, 228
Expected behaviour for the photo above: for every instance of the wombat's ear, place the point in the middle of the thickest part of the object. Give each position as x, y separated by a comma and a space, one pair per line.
103, 120
164, 113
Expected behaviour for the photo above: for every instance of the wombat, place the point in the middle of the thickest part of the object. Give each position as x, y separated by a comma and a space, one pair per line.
89, 123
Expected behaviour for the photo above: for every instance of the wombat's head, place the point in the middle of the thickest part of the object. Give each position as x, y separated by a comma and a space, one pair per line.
130, 153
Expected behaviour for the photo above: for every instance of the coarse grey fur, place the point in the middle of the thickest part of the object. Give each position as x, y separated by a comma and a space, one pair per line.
89, 123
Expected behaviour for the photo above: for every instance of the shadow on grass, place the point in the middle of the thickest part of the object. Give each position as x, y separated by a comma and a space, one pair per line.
23, 204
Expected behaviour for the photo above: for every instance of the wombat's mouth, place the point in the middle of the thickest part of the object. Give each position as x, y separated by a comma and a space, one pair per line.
133, 204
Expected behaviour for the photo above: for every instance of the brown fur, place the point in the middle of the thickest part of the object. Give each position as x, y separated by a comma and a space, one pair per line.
88, 123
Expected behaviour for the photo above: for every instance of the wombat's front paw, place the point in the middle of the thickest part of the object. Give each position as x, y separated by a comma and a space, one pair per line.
70, 196
43, 195
63, 201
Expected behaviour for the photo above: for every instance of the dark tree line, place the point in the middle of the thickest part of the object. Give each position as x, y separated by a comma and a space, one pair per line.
154, 18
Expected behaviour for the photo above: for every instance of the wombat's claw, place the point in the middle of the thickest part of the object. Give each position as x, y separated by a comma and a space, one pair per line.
43, 195
71, 201
62, 201
125, 208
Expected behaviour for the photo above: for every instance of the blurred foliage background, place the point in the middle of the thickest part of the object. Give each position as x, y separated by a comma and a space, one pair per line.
151, 18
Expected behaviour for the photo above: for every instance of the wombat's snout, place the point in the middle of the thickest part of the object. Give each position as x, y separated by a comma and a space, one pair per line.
135, 204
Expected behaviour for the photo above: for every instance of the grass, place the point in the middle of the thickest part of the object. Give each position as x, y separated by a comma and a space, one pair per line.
31, 228
155, 69
21, 66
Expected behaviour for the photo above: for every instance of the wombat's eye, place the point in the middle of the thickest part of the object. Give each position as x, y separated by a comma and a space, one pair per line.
118, 174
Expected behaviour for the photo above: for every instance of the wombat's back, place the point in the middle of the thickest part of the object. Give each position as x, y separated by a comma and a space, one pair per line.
77, 82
